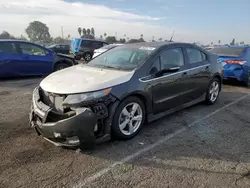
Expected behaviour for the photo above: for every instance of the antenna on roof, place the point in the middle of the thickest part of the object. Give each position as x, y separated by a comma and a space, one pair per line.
172, 36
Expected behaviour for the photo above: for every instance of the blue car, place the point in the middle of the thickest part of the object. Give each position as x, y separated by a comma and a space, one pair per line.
235, 61
21, 58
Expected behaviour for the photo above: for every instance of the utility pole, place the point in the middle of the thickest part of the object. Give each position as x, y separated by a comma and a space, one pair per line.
62, 31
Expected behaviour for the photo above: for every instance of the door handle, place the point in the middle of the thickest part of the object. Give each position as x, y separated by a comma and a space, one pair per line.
207, 68
184, 74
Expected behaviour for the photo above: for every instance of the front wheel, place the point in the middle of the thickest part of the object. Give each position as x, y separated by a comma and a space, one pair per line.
60, 66
213, 91
128, 118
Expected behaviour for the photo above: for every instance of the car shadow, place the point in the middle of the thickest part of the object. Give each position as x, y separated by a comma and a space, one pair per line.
224, 137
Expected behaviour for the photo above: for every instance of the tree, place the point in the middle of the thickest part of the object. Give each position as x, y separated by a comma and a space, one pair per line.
141, 40
23, 38
5, 35
134, 40
68, 37
88, 31
38, 32
84, 32
79, 31
219, 41
59, 40
92, 32
105, 34
233, 42
160, 39
122, 41
101, 37
110, 39
141, 35
242, 43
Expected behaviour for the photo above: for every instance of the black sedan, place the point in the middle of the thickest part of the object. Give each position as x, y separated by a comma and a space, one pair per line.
118, 91
60, 48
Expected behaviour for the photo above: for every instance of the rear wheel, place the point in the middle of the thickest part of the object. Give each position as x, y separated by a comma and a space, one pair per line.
213, 91
128, 118
60, 66
247, 82
87, 56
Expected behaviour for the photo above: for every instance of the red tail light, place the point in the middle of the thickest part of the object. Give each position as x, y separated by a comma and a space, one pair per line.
238, 62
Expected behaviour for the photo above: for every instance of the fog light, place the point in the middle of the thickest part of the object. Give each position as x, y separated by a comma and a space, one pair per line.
57, 135
73, 140
96, 128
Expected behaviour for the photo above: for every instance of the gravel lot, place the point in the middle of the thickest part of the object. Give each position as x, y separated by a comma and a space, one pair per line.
202, 146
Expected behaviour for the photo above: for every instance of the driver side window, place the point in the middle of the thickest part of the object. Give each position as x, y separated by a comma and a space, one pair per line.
172, 57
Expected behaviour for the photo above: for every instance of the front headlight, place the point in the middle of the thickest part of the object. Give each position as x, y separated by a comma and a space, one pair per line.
85, 97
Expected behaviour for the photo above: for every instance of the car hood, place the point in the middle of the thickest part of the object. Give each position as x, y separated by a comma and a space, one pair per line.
83, 78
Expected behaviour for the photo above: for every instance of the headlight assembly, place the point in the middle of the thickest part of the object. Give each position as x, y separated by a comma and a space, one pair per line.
85, 97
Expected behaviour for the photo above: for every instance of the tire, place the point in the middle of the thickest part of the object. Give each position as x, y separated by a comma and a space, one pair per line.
247, 82
60, 66
213, 91
87, 57
78, 57
120, 117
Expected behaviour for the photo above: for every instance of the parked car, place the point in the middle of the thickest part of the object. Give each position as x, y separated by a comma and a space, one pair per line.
235, 61
84, 48
21, 58
60, 48
104, 49
118, 91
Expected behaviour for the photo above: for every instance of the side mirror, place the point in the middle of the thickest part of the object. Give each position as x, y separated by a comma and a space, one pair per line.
164, 71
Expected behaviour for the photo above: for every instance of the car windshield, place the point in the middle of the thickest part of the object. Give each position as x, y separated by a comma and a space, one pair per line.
107, 47
125, 58
227, 51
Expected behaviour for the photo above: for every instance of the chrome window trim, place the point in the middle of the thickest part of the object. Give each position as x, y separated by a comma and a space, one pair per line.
140, 79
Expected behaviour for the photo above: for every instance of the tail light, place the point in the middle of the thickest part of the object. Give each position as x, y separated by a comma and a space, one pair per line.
238, 62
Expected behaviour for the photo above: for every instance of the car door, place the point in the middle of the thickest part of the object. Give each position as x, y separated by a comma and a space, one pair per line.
9, 59
35, 59
171, 89
199, 71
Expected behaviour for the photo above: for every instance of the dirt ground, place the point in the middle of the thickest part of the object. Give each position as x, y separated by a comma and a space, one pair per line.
201, 146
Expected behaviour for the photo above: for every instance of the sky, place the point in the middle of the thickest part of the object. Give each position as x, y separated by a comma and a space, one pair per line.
192, 20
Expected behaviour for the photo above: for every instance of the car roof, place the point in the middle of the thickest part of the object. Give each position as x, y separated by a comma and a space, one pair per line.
12, 40
152, 44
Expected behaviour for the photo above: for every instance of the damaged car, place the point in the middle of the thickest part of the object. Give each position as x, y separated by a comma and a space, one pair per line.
117, 92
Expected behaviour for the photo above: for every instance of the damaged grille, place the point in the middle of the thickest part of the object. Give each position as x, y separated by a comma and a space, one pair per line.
53, 100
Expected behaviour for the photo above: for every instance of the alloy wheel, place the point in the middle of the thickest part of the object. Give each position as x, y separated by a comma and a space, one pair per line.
214, 91
87, 57
130, 118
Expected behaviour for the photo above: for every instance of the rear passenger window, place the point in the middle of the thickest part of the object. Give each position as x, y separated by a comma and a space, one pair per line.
195, 56
8, 47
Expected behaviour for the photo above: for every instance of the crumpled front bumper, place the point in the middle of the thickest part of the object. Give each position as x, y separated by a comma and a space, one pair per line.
72, 131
